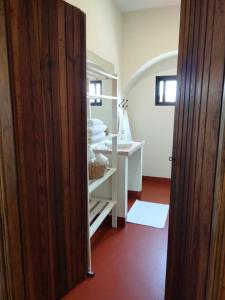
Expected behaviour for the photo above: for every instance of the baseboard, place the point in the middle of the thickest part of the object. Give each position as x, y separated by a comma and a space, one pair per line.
121, 222
134, 195
137, 195
156, 179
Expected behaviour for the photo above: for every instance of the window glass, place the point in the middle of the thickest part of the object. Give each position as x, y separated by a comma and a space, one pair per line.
95, 88
92, 88
161, 89
170, 91
166, 87
98, 89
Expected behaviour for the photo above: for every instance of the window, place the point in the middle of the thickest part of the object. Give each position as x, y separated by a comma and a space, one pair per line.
165, 93
95, 87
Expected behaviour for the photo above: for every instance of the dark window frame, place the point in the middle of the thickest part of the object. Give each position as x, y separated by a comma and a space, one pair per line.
157, 95
96, 103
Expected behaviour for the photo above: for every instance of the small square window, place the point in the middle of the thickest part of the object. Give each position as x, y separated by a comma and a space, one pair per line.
165, 93
95, 87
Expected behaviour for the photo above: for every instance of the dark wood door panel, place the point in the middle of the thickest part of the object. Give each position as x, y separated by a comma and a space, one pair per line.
223, 294
197, 125
216, 272
11, 266
47, 66
224, 276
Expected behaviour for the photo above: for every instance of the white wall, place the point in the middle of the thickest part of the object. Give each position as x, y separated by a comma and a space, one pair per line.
104, 29
151, 123
148, 34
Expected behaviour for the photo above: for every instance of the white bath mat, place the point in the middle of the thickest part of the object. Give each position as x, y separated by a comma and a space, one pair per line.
148, 213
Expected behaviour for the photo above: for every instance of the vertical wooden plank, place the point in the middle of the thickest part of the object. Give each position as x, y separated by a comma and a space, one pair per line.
25, 126
200, 72
216, 273
223, 266
176, 234
31, 161
78, 143
223, 294
51, 281
11, 265
223, 271
59, 201
43, 154
6, 290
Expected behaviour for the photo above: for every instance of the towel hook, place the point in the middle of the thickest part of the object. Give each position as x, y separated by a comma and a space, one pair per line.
123, 104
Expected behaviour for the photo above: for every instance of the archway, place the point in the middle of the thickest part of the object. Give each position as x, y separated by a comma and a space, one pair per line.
144, 68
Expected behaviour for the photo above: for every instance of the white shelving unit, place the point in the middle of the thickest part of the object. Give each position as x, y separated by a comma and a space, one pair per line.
100, 208
103, 97
94, 184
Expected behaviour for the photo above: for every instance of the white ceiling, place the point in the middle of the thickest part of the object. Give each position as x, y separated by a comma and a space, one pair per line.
132, 5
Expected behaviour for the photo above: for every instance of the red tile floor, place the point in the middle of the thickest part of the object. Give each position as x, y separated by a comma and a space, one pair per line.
130, 263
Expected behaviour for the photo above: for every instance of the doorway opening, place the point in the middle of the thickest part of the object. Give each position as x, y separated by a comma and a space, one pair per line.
129, 258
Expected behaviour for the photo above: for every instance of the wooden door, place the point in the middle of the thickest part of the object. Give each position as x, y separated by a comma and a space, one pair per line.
196, 138
216, 277
223, 288
43, 144
11, 265
216, 272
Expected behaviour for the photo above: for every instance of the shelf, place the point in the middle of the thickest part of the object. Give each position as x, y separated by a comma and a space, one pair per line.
108, 137
93, 76
98, 210
104, 97
101, 207
95, 183
122, 151
96, 71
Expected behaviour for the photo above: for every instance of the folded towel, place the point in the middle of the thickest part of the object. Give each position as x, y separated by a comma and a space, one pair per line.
91, 155
95, 130
102, 159
97, 138
93, 122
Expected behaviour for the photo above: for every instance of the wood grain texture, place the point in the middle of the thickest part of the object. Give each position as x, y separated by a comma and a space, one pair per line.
196, 137
224, 275
11, 265
216, 273
223, 294
47, 64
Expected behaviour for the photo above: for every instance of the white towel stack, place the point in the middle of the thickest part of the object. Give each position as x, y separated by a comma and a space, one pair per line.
96, 131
